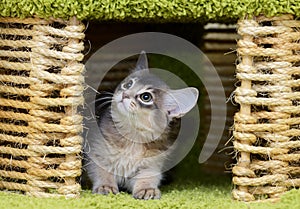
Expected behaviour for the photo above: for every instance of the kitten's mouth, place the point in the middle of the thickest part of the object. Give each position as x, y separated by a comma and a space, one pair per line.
125, 106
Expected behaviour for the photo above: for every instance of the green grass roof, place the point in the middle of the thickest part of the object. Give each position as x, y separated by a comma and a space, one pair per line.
148, 10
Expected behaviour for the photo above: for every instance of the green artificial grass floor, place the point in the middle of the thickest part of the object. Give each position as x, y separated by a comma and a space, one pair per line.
206, 193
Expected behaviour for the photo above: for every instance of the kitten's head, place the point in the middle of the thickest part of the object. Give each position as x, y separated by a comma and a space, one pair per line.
145, 103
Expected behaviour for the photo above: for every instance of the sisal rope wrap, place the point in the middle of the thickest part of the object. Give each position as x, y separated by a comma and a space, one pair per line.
41, 86
267, 127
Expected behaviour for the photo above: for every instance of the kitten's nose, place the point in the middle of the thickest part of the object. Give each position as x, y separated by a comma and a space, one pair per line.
125, 96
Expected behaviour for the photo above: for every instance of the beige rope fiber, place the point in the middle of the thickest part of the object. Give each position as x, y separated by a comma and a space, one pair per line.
267, 127
41, 86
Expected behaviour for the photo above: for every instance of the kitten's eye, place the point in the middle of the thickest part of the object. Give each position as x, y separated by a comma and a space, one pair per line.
146, 97
127, 85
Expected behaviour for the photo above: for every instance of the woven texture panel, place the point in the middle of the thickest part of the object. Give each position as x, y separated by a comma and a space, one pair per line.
41, 87
266, 129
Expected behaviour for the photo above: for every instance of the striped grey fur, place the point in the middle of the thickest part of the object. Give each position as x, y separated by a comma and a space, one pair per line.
138, 129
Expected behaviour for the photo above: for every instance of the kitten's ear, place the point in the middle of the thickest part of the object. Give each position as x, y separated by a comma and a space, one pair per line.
178, 102
142, 62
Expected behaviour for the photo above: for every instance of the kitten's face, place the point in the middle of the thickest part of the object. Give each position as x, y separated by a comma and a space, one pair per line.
140, 92
138, 102
143, 104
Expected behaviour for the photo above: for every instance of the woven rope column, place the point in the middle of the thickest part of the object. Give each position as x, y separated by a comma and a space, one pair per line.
266, 129
41, 89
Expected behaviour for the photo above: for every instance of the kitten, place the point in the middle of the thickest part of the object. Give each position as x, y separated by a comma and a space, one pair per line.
137, 130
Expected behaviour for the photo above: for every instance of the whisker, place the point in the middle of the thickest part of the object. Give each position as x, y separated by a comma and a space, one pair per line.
102, 99
95, 90
99, 92
103, 105
106, 92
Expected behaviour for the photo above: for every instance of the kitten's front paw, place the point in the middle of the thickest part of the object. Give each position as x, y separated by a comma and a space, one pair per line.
147, 194
103, 189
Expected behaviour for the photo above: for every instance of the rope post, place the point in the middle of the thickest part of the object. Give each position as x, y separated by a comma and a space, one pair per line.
40, 90
74, 46
244, 114
266, 129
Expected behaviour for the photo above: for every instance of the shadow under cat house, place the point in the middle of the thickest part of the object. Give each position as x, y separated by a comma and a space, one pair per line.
45, 71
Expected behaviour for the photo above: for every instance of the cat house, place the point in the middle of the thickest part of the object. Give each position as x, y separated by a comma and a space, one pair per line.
42, 82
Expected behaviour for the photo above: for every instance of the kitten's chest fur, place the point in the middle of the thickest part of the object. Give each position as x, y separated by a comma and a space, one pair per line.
124, 158
126, 155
